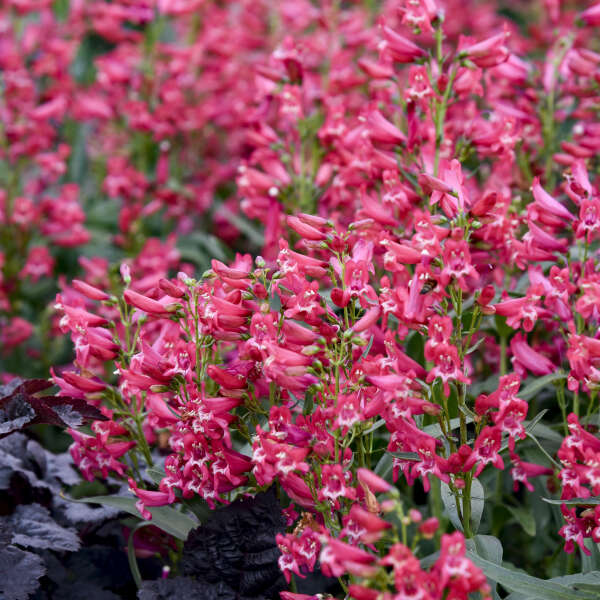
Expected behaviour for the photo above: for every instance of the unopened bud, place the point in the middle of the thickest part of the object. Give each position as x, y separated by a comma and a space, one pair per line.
310, 350
415, 515
159, 389
125, 273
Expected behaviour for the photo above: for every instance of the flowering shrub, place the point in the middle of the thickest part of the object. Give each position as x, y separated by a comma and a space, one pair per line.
392, 325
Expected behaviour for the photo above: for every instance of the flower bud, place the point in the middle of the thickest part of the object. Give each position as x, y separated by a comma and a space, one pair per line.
429, 527
170, 288
89, 291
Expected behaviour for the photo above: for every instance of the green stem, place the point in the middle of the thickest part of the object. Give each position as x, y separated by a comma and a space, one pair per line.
466, 504
503, 355
440, 116
135, 571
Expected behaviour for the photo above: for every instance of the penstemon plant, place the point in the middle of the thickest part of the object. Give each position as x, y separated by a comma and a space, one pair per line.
411, 360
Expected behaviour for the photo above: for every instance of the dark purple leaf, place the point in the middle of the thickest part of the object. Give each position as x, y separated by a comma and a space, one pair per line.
236, 549
169, 589
78, 513
20, 406
14, 415
33, 527
60, 467
21, 571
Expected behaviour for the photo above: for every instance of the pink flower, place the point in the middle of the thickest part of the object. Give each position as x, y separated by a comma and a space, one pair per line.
591, 16
525, 357
399, 48
447, 366
486, 450
145, 304
149, 498
487, 53
372, 481
521, 471
548, 203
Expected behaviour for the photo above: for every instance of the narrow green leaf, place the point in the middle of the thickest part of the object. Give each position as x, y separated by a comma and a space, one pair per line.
591, 562
309, 402
575, 501
489, 548
581, 581
155, 475
368, 348
477, 504
449, 501
587, 582
413, 456
465, 410
530, 587
429, 560
486, 546
435, 430
385, 467
379, 423
133, 565
167, 518
530, 425
530, 390
475, 346
501, 327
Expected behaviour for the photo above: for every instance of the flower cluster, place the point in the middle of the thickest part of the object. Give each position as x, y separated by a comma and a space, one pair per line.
420, 312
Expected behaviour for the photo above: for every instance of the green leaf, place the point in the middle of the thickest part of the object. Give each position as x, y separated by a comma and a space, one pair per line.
406, 456
530, 587
530, 425
575, 501
501, 327
167, 518
477, 504
486, 546
385, 467
583, 581
489, 548
586, 582
428, 561
199, 507
133, 565
590, 563
309, 402
449, 501
475, 346
435, 430
368, 348
529, 391
486, 386
465, 410
379, 423
540, 430
155, 475
524, 518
